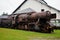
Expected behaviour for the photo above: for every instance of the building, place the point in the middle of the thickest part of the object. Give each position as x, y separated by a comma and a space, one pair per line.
37, 5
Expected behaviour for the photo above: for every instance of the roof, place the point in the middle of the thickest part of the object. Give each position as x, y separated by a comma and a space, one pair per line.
4, 17
27, 10
40, 2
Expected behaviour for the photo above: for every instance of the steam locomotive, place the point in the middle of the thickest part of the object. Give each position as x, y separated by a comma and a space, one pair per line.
33, 21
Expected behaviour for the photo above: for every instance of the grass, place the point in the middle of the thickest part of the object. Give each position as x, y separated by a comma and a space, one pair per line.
13, 34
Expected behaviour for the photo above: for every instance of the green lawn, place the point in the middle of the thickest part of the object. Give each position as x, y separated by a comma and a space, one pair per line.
11, 34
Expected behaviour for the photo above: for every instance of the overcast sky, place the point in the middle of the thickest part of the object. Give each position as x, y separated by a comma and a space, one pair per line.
8, 6
54, 3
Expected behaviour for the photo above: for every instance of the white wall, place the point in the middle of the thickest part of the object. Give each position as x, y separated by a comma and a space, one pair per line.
36, 6
58, 15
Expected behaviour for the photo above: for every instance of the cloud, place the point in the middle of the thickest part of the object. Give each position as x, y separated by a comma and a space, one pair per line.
9, 5
54, 3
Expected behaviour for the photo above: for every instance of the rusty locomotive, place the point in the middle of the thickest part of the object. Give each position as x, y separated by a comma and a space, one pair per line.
33, 21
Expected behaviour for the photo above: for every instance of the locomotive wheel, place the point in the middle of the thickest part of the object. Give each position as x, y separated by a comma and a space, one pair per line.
50, 29
31, 27
26, 27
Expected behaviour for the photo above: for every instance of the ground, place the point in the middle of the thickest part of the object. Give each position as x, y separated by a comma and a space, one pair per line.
13, 34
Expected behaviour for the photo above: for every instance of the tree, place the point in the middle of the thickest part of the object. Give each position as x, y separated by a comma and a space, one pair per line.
4, 14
